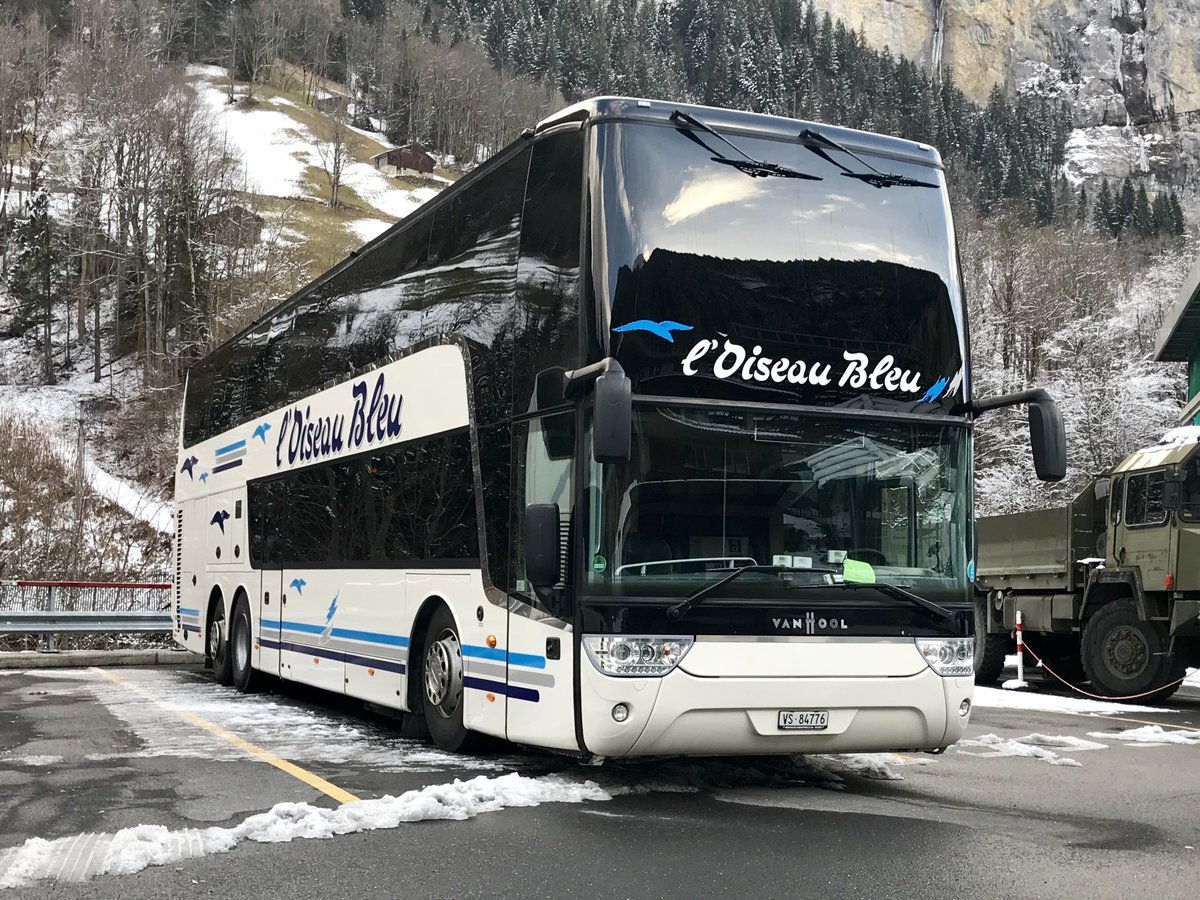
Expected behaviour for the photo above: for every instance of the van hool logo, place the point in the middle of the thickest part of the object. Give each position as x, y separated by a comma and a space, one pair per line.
809, 623
374, 417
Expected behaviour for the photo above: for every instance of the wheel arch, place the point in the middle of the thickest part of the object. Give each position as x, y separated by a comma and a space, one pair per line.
1118, 586
416, 648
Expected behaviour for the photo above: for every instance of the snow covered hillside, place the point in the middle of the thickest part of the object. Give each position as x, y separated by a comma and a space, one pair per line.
129, 431
277, 138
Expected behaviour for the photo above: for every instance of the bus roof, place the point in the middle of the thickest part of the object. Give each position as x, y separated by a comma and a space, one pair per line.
598, 109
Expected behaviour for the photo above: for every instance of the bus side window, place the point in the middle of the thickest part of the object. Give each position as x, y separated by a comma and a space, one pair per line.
547, 316
540, 477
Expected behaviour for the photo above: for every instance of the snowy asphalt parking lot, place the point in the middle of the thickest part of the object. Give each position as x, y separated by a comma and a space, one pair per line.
156, 782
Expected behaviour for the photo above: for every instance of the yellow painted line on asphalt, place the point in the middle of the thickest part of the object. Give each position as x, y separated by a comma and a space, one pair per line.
301, 774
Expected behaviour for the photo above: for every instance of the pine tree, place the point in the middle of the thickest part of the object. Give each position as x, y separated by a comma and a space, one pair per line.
1177, 222
1102, 212
1081, 211
1143, 217
37, 274
1123, 212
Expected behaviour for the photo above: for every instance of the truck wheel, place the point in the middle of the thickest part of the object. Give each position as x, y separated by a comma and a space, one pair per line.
1067, 666
989, 648
1123, 655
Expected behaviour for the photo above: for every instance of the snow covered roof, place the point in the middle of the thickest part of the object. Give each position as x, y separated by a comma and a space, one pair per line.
1180, 332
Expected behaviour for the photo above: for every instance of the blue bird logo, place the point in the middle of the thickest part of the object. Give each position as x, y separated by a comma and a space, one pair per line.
219, 518
662, 329
187, 466
934, 390
298, 584
204, 477
261, 431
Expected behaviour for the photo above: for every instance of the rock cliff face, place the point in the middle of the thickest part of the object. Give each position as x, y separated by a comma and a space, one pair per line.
1125, 66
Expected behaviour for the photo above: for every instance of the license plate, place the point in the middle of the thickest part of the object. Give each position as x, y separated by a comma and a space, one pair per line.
803, 719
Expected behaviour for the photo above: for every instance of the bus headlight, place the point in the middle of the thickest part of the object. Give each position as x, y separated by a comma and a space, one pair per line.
949, 657
635, 655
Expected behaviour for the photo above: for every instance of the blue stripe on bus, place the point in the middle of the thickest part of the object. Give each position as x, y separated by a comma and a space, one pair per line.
370, 663
366, 662
234, 446
511, 690
189, 612
392, 640
192, 628
372, 637
273, 624
228, 465
497, 654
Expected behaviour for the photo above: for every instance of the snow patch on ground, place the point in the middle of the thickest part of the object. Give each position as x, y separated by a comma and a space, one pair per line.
134, 849
35, 760
1033, 746
368, 229
1151, 734
877, 766
1015, 684
994, 698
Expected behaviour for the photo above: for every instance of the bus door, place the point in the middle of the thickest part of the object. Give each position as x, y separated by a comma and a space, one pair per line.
269, 608
540, 694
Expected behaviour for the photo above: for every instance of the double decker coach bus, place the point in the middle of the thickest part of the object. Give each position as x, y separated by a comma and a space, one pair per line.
651, 435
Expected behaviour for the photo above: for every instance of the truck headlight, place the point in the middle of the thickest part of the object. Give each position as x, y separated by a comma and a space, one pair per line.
638, 656
949, 657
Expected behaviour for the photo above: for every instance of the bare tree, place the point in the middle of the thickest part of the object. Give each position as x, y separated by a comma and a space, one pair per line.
335, 152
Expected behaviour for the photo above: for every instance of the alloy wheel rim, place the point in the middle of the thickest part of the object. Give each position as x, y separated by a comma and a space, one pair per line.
443, 673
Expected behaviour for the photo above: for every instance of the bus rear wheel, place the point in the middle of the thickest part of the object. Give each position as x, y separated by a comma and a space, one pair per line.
241, 642
217, 649
442, 683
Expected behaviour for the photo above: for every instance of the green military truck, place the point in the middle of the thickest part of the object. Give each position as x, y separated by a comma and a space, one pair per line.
1109, 586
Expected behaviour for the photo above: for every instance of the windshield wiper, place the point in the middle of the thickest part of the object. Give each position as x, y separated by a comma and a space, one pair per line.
680, 609
889, 590
755, 168
816, 142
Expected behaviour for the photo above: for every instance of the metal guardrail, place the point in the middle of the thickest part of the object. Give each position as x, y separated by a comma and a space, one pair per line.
23, 622
83, 607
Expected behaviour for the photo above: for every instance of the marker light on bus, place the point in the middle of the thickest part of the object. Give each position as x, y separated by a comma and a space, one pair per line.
635, 655
949, 657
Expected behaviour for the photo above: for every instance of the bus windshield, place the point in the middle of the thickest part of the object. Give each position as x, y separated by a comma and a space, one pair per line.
717, 283
709, 490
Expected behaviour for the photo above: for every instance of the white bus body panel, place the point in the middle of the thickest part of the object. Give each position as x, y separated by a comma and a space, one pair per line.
541, 696
879, 693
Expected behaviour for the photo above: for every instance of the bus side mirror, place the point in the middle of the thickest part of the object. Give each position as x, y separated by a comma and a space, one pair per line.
613, 419
542, 545
1048, 438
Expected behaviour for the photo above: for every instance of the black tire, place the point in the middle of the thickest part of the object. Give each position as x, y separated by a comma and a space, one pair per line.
1123, 655
990, 649
441, 685
217, 646
241, 647
1067, 666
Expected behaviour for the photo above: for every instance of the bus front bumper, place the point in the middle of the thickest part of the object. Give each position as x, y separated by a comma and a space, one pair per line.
682, 714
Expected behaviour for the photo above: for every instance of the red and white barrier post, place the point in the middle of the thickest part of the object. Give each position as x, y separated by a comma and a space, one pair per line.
1020, 652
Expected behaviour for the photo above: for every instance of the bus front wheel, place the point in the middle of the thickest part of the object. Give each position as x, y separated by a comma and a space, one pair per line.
442, 683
